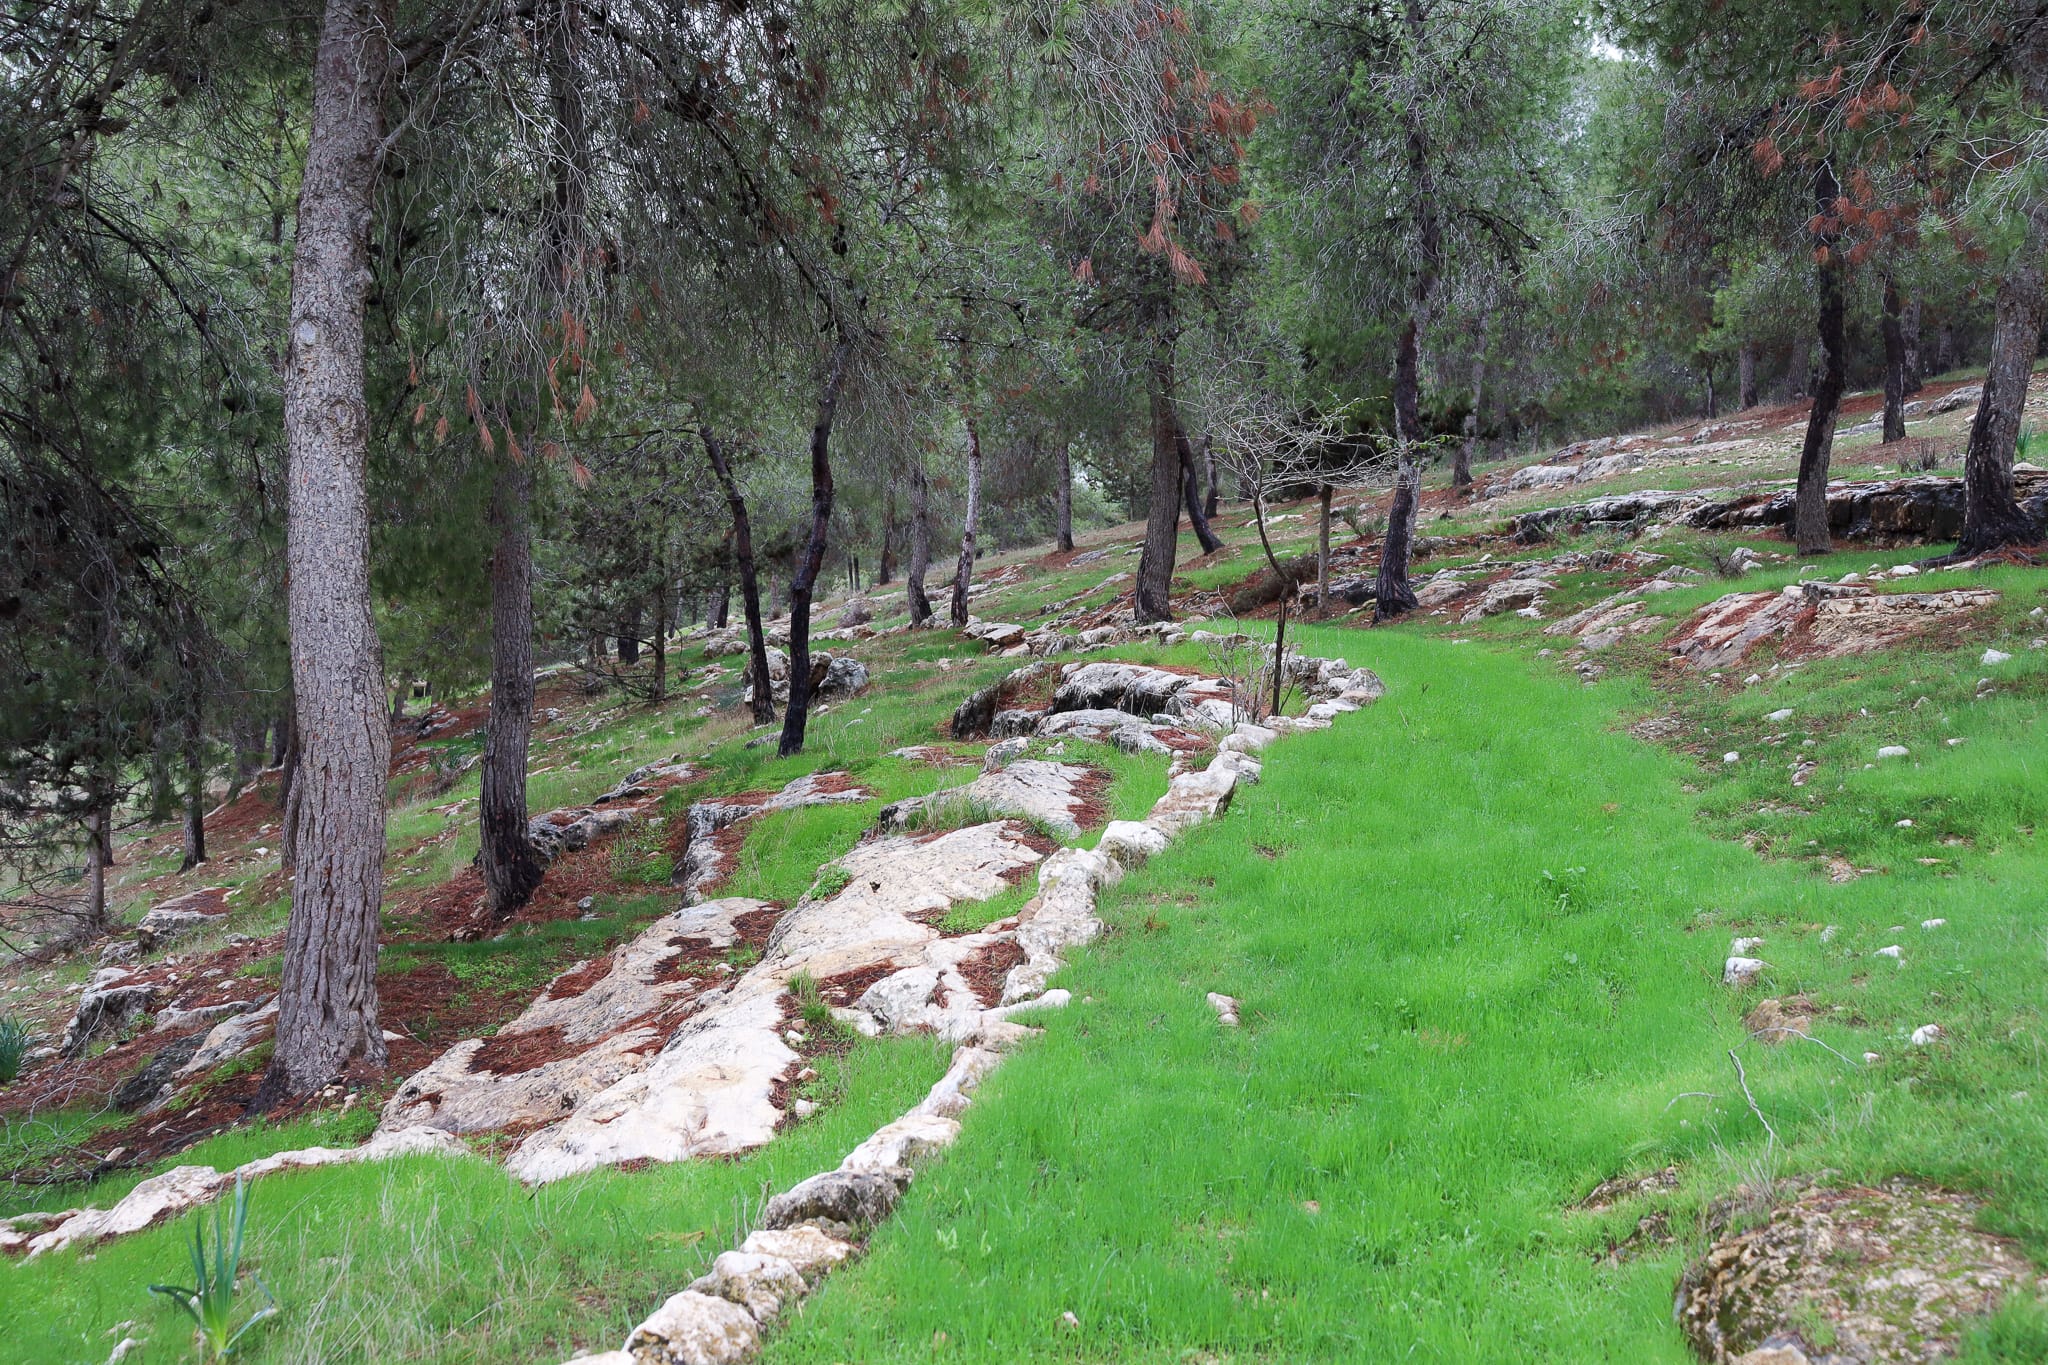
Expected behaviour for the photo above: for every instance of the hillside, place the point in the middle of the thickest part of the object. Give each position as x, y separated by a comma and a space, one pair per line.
1651, 914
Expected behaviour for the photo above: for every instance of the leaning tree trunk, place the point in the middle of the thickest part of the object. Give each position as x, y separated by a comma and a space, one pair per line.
1894, 364
327, 996
920, 547
1066, 498
1992, 516
805, 579
1212, 497
750, 581
1909, 323
1745, 376
1191, 493
964, 570
1810, 508
1154, 595
512, 870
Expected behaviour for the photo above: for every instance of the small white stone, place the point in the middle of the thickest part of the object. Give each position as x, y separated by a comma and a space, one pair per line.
1740, 971
1782, 714
1731, 757
1932, 923
1892, 950
1926, 1034
1902, 824
1995, 656
1827, 934
1225, 1007
1952, 743
1743, 947
1893, 751
1871, 1059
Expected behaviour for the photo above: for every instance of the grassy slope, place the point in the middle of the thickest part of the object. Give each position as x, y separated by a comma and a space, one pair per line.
1483, 964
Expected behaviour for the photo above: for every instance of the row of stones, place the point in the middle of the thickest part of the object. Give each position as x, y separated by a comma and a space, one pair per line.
819, 1223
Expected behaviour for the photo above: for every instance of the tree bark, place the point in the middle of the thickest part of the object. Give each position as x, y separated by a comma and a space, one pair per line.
629, 642
327, 996
750, 582
805, 579
963, 572
663, 604
1713, 398
1745, 376
1992, 517
1192, 493
1213, 496
287, 794
1909, 323
920, 547
1154, 594
721, 604
1894, 363
1945, 348
1066, 497
99, 826
511, 869
1810, 508
1799, 369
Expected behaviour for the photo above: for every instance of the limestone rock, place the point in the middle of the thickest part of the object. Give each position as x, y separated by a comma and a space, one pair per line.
1823, 619
695, 1329
1888, 1275
1740, 971
1029, 788
230, 1038
759, 1283
180, 916
810, 1252
1132, 688
839, 1203
844, 676
1130, 842
909, 1141
107, 1006
155, 1076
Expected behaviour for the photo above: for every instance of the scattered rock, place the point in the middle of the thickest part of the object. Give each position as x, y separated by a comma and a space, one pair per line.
1822, 620
106, 1006
841, 1204
695, 1329
1776, 1021
1740, 971
1994, 656
1927, 1035
1225, 1007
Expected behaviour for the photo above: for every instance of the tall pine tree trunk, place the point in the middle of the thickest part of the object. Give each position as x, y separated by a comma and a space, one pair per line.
750, 581
963, 572
327, 995
1810, 508
1066, 497
1992, 517
1745, 376
512, 870
920, 547
1162, 524
798, 714
1894, 363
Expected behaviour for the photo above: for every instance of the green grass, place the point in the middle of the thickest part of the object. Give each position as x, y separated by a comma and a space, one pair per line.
451, 1261
1444, 1047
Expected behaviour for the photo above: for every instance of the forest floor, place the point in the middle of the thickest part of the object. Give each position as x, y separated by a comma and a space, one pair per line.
1478, 934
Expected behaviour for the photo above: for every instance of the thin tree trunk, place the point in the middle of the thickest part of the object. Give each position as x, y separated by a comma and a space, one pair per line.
885, 571
1894, 363
1154, 594
1280, 650
195, 780
1713, 398
1323, 499
1392, 595
1461, 468
1992, 516
512, 870
1945, 348
750, 582
281, 734
99, 824
662, 606
1909, 325
1799, 369
920, 547
1066, 497
1214, 494
963, 572
798, 713
1191, 493
721, 605
327, 995
629, 641
1745, 376
1810, 510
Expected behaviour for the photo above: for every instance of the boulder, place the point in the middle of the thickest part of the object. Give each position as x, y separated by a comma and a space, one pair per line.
1827, 620
759, 1283
1132, 688
1030, 788
858, 611
1850, 1276
975, 715
1507, 595
810, 1251
179, 916
838, 676
229, 1039
154, 1079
